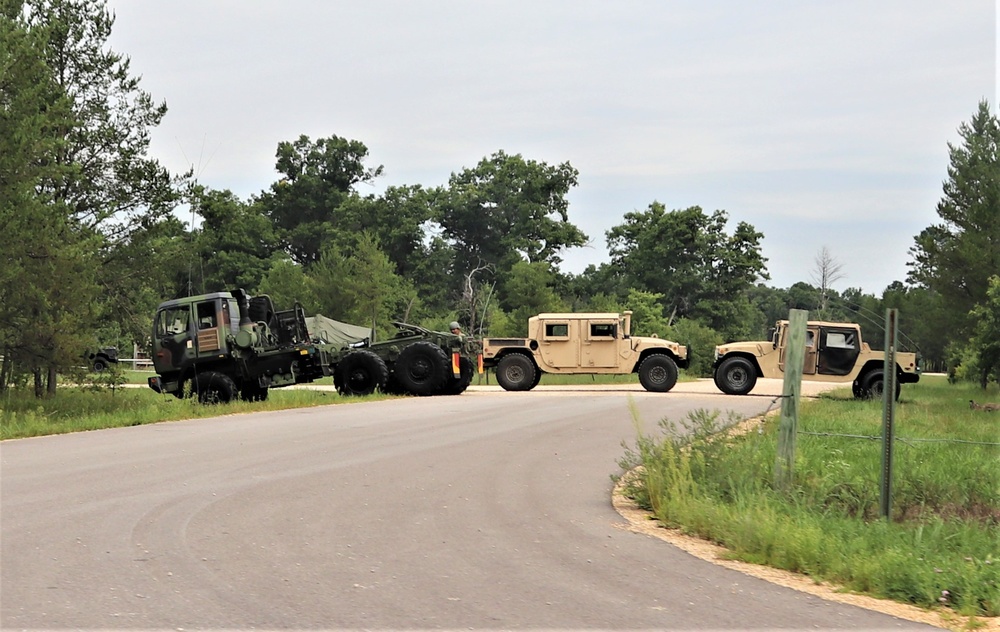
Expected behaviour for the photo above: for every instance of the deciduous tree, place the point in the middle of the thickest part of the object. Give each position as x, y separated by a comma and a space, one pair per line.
508, 209
686, 256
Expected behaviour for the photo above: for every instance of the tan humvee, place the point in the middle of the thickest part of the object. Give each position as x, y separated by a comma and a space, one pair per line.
834, 353
598, 343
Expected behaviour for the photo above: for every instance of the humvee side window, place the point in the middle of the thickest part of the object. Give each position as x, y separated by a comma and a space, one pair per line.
602, 330
556, 330
173, 321
840, 340
206, 315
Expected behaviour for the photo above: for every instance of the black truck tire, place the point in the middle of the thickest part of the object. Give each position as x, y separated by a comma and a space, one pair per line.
658, 373
516, 372
457, 385
214, 388
873, 383
253, 392
736, 376
361, 372
422, 368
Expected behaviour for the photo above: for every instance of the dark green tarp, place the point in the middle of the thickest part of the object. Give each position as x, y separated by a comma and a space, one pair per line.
336, 332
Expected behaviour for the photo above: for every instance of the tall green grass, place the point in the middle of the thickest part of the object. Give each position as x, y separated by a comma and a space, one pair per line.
73, 409
942, 544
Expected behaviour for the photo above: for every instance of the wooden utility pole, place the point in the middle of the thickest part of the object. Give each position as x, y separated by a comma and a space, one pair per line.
795, 355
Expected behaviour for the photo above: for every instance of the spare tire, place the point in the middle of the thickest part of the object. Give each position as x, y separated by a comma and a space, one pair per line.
422, 368
361, 372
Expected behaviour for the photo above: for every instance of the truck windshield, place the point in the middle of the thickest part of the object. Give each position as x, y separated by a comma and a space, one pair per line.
173, 320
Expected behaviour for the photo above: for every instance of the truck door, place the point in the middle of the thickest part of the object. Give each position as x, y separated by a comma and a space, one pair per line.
599, 345
173, 344
838, 350
208, 317
557, 347
809, 361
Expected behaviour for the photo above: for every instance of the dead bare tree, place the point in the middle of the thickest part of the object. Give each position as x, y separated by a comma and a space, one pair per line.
476, 297
827, 272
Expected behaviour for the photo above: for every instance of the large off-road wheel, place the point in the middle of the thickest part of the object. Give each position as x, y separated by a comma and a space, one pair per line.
658, 373
517, 372
253, 392
873, 384
736, 376
361, 372
100, 364
422, 368
457, 385
214, 388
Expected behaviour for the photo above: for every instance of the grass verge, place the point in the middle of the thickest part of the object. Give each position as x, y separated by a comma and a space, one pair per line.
940, 549
73, 409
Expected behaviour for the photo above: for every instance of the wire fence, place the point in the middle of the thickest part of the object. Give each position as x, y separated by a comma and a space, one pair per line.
905, 440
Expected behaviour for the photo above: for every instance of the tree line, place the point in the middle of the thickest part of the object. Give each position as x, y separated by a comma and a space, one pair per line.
91, 237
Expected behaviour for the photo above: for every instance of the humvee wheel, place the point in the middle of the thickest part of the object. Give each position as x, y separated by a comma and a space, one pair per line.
658, 373
457, 385
422, 368
361, 372
100, 365
516, 372
736, 376
873, 383
214, 388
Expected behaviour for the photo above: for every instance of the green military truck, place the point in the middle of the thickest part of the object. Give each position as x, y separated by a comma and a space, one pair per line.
227, 345
588, 343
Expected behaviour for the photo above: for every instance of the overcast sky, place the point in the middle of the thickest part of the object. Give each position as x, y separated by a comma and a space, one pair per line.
819, 123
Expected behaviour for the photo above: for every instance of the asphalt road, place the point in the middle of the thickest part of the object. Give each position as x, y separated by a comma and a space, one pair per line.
489, 510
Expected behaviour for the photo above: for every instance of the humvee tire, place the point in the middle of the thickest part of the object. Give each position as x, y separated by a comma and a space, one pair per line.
736, 376
214, 388
361, 372
658, 373
516, 372
873, 383
422, 368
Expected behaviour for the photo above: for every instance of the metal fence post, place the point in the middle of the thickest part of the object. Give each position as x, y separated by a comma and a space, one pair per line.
888, 411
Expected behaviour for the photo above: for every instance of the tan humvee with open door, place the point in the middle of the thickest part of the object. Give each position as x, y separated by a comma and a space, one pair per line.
835, 352
590, 343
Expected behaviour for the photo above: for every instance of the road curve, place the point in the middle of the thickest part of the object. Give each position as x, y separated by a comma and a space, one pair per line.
487, 510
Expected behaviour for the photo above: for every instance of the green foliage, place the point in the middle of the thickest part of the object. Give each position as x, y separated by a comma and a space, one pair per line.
286, 282
940, 548
235, 244
307, 203
986, 334
527, 290
686, 256
701, 342
505, 210
359, 285
956, 258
